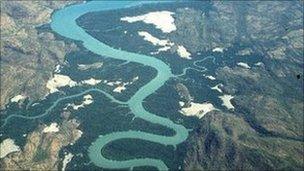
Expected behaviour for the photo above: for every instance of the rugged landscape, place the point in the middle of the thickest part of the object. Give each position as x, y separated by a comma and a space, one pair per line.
266, 125
28, 59
41, 151
266, 129
28, 56
261, 128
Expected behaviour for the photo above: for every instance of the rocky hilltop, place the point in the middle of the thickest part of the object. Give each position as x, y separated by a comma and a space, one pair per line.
223, 23
41, 151
28, 56
226, 142
265, 131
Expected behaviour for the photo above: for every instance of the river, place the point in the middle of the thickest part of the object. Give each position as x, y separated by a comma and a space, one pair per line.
64, 23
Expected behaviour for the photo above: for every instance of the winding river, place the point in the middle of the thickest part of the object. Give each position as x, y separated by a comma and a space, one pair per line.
64, 23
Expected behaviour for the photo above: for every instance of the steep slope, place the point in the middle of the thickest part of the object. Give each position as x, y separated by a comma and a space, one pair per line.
28, 56
265, 131
224, 141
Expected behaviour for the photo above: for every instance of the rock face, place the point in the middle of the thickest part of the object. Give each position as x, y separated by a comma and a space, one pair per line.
224, 141
225, 23
28, 57
41, 151
184, 94
189, 29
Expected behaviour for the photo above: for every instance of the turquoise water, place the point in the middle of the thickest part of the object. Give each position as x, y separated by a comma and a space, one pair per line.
64, 23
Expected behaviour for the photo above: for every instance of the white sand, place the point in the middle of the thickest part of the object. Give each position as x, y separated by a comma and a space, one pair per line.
75, 107
119, 89
217, 88
182, 52
244, 65
81, 66
113, 83
91, 81
8, 146
66, 160
57, 69
181, 103
52, 128
218, 49
210, 77
119, 85
59, 81
79, 134
162, 20
197, 109
165, 44
259, 64
154, 40
226, 101
135, 79
87, 99
163, 49
18, 98
110, 83
117, 82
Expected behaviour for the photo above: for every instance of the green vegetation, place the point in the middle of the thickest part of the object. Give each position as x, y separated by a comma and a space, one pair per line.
41, 154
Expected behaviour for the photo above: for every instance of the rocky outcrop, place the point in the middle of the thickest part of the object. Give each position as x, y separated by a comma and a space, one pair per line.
266, 129
227, 142
41, 151
28, 57
183, 92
